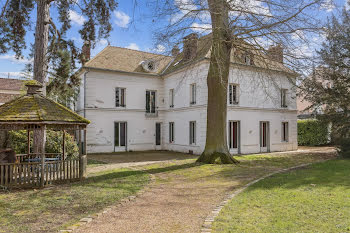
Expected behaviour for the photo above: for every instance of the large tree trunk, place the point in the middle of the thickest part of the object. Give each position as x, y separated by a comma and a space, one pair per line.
40, 59
217, 81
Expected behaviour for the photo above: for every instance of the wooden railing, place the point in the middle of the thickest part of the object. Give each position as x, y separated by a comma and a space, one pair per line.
23, 157
30, 174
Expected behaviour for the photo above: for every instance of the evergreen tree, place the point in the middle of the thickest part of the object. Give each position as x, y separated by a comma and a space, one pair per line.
328, 88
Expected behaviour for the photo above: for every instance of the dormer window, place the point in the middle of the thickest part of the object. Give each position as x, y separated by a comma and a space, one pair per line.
247, 59
150, 65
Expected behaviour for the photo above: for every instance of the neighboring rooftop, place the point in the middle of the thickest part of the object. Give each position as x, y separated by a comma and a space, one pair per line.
11, 84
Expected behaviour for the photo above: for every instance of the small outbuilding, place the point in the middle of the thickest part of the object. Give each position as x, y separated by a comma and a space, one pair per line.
34, 111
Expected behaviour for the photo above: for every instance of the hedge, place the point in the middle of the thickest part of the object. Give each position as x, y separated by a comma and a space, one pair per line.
18, 141
312, 133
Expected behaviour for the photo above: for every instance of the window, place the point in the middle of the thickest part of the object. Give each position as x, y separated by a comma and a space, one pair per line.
171, 132
233, 93
233, 134
247, 59
171, 98
150, 101
285, 134
120, 97
193, 93
192, 132
283, 98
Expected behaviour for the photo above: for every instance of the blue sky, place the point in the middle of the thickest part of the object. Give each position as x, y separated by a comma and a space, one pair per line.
132, 28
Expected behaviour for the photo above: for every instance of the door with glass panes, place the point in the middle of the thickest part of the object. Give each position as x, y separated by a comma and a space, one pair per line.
264, 136
158, 136
120, 136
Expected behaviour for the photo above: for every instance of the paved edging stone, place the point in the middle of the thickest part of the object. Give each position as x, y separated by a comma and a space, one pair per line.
122, 202
208, 222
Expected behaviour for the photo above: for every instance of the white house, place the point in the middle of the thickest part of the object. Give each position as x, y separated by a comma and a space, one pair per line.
142, 101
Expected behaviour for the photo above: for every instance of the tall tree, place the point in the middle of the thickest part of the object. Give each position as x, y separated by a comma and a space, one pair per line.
233, 24
328, 87
50, 39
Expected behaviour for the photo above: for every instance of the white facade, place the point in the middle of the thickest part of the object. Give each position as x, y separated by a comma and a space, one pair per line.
258, 96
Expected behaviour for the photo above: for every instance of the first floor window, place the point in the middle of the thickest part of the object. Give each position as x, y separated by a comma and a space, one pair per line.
120, 97
192, 132
233, 94
193, 93
283, 98
233, 134
285, 132
171, 98
150, 101
171, 132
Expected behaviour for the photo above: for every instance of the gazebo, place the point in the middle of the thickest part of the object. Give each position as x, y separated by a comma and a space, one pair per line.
34, 111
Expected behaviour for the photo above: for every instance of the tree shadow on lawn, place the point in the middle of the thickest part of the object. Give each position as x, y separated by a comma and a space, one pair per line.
329, 174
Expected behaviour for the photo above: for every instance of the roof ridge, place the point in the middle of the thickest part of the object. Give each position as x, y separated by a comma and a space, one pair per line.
138, 51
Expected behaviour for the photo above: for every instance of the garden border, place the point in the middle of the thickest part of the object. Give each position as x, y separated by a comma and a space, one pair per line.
208, 222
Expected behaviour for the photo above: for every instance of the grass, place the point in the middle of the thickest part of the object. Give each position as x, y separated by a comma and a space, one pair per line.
51, 209
94, 163
314, 199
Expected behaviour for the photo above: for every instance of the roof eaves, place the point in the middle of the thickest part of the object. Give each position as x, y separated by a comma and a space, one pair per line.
121, 71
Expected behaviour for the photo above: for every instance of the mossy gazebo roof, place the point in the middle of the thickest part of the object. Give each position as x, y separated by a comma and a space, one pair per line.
36, 109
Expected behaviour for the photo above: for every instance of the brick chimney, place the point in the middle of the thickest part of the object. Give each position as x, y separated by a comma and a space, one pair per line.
34, 87
275, 53
175, 51
190, 46
85, 52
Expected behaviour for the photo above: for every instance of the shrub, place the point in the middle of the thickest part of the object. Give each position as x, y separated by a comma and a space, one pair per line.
312, 133
18, 142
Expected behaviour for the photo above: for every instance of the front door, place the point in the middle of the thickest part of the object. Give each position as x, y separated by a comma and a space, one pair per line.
158, 136
264, 136
120, 136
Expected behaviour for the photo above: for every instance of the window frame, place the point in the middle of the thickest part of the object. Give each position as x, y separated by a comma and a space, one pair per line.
121, 97
193, 93
236, 136
230, 101
284, 93
171, 98
150, 102
285, 131
171, 132
192, 132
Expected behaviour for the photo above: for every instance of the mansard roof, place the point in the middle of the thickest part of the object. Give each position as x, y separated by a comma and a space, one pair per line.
127, 60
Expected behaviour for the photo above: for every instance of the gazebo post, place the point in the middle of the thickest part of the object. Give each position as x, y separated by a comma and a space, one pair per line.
42, 183
64, 145
82, 158
28, 142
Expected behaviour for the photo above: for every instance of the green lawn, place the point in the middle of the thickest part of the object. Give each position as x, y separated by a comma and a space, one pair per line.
50, 209
314, 199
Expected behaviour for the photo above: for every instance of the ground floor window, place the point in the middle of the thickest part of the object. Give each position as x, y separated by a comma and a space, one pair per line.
233, 134
192, 132
171, 132
119, 134
264, 131
285, 133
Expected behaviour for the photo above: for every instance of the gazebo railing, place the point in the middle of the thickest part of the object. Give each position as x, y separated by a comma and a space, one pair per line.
30, 174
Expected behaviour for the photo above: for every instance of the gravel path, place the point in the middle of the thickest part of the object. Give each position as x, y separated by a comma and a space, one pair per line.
174, 202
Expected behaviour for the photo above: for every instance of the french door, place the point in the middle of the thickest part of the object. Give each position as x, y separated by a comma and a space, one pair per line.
158, 136
120, 136
234, 137
264, 136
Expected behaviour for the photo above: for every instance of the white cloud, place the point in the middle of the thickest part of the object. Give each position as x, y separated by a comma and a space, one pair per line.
298, 35
185, 8
347, 5
13, 74
133, 46
160, 48
328, 5
102, 42
76, 18
250, 7
13, 59
201, 27
122, 19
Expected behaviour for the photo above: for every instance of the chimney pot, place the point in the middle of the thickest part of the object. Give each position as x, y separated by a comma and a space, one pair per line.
190, 46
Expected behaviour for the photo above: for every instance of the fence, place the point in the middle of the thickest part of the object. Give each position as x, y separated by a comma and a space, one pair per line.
30, 174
